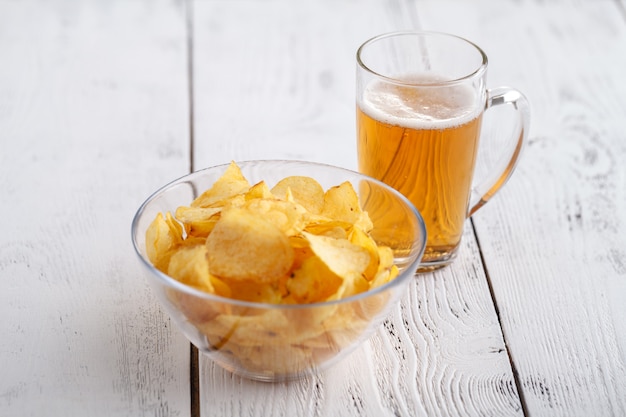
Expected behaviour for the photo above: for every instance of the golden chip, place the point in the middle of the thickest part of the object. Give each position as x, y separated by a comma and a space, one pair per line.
231, 183
258, 190
245, 247
198, 221
356, 285
313, 282
190, 266
340, 256
387, 270
256, 292
363, 240
326, 227
162, 236
288, 216
304, 190
196, 214
342, 203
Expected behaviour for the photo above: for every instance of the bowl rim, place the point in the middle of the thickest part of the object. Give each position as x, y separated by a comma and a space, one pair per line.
179, 286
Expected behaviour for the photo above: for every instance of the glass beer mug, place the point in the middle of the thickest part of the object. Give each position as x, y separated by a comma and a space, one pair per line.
420, 102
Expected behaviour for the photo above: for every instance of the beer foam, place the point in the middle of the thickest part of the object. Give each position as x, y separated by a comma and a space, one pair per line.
421, 107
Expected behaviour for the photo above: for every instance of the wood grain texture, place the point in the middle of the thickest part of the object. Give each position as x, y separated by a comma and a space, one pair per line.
94, 115
554, 238
93, 118
275, 79
440, 353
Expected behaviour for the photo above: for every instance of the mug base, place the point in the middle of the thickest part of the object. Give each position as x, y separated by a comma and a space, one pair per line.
432, 266
432, 263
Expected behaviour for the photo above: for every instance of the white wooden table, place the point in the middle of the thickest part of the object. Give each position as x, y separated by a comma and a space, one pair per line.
102, 102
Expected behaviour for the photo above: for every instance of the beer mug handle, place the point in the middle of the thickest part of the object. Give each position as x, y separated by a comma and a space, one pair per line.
483, 192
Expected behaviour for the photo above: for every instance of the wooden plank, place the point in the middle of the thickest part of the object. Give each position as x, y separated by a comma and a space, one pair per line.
275, 79
93, 118
440, 353
554, 238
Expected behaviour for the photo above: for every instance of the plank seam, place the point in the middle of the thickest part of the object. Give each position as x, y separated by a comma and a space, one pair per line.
194, 381
194, 368
516, 378
190, 79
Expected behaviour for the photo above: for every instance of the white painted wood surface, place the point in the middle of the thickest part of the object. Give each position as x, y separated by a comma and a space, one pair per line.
95, 114
291, 95
93, 118
554, 240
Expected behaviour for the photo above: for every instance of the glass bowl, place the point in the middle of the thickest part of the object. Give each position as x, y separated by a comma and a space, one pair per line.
271, 342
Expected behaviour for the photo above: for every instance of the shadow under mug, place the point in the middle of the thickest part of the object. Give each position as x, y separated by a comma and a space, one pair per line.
420, 99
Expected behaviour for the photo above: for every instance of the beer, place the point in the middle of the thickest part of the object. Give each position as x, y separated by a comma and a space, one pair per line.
420, 100
423, 140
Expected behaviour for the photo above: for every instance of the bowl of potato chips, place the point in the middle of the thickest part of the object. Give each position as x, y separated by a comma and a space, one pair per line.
278, 269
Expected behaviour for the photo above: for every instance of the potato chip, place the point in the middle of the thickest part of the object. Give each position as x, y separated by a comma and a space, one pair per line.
353, 286
162, 236
363, 240
256, 292
304, 190
191, 241
385, 258
198, 310
288, 216
258, 190
245, 247
340, 256
387, 270
325, 227
195, 214
301, 250
231, 183
247, 330
313, 282
268, 357
342, 203
198, 221
341, 333
190, 266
